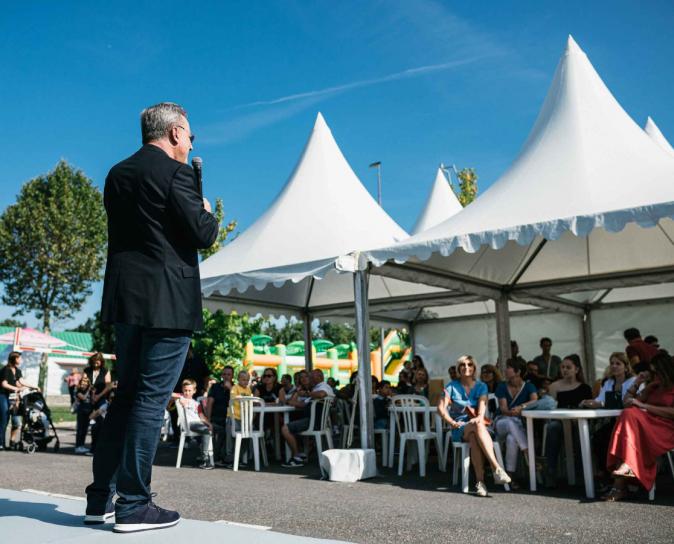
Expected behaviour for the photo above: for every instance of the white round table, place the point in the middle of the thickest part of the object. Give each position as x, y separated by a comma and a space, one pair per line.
567, 416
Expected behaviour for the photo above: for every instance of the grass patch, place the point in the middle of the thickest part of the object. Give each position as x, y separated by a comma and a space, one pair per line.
59, 414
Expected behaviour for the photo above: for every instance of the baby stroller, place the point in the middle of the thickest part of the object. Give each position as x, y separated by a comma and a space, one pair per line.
37, 429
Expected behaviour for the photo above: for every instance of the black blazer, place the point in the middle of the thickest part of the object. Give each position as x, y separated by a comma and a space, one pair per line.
156, 223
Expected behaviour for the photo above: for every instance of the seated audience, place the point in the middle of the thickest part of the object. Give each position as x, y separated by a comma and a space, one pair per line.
652, 340
533, 374
381, 403
513, 396
613, 389
638, 351
405, 386
332, 383
417, 363
217, 405
548, 364
269, 390
515, 352
569, 391
421, 382
463, 407
196, 420
644, 430
491, 377
452, 373
349, 389
287, 384
319, 390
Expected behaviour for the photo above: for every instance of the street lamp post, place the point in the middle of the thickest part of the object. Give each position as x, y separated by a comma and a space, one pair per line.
377, 165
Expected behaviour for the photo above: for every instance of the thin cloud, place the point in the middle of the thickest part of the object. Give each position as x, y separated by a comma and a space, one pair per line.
405, 74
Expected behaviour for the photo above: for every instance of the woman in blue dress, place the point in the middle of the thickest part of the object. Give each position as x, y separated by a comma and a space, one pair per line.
463, 407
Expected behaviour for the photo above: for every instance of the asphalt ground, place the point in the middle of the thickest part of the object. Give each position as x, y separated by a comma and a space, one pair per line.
382, 510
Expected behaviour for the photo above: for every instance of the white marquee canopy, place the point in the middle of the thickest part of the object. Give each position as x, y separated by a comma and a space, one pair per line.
654, 132
440, 205
570, 206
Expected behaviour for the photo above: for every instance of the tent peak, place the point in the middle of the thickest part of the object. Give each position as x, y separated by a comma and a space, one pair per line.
320, 122
572, 46
657, 136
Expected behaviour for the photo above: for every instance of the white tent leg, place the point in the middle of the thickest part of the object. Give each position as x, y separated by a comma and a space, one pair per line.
503, 330
308, 346
360, 281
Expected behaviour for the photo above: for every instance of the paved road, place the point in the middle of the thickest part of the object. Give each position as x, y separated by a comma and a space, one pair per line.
382, 510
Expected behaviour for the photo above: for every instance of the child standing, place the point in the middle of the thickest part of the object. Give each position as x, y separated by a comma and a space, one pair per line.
197, 421
240, 389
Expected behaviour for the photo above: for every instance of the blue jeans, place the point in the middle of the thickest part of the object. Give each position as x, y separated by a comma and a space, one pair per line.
5, 417
148, 365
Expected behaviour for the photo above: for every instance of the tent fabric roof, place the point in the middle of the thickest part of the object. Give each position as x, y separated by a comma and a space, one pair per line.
658, 137
440, 205
323, 211
576, 172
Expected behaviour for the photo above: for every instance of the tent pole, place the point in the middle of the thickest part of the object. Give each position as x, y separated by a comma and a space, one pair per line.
308, 346
360, 280
503, 330
588, 346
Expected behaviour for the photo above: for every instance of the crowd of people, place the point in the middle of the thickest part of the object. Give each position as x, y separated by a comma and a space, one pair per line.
478, 406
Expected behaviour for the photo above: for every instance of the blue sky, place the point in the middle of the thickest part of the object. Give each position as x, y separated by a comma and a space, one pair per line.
409, 83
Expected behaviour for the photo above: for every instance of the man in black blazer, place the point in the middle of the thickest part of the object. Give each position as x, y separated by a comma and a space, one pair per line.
156, 222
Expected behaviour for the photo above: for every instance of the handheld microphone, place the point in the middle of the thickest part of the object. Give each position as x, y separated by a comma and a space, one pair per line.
197, 164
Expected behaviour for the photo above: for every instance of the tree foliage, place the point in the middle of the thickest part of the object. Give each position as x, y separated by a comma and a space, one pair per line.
291, 331
223, 231
223, 339
9, 322
52, 244
103, 334
467, 190
337, 333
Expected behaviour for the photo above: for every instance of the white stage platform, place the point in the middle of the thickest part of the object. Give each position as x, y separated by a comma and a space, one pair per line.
41, 518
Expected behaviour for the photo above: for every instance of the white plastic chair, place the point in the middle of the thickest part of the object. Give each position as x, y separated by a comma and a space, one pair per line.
461, 458
185, 432
407, 421
324, 429
670, 458
248, 430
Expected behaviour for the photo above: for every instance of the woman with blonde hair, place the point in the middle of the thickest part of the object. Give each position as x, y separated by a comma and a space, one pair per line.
614, 387
463, 407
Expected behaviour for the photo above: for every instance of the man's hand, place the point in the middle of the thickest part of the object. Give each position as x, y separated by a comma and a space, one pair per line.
207, 205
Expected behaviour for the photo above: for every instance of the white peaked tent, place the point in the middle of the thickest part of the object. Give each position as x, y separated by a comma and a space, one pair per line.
654, 132
323, 211
566, 219
440, 205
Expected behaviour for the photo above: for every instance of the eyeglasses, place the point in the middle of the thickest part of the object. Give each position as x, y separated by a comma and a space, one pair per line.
191, 136
464, 365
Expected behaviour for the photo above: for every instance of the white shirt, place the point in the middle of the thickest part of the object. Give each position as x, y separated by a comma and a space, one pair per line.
610, 384
322, 386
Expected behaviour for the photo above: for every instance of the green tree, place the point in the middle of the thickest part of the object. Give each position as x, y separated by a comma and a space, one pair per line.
52, 246
337, 333
292, 331
103, 334
223, 339
467, 191
223, 232
9, 322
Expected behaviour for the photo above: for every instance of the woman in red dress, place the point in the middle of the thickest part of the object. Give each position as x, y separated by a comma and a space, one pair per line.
645, 429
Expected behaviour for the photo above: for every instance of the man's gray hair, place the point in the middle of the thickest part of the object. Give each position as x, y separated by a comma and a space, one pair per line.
157, 120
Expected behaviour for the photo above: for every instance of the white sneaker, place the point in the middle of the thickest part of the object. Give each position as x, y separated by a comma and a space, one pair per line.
501, 477
481, 489
81, 450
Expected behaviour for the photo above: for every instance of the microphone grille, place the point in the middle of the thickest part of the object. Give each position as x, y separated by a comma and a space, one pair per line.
197, 162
